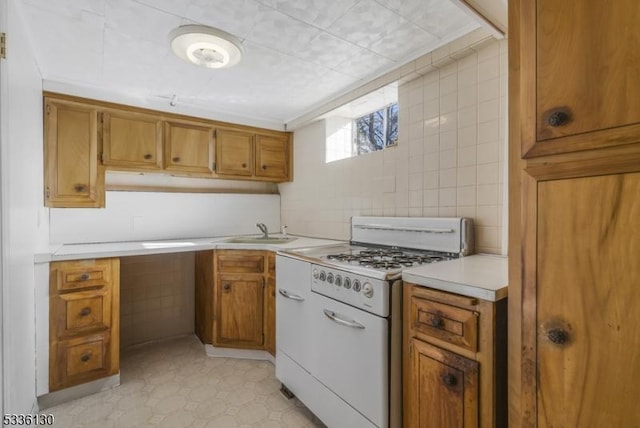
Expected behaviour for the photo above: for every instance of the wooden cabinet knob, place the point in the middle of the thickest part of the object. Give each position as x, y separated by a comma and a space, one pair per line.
264, 167
558, 336
449, 380
80, 188
437, 321
226, 287
85, 312
176, 159
84, 277
244, 165
85, 357
148, 156
558, 117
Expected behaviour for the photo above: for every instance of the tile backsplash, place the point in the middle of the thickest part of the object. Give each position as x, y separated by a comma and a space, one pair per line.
449, 161
156, 297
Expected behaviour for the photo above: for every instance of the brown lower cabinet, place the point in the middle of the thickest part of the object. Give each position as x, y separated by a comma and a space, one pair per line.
454, 360
235, 299
84, 321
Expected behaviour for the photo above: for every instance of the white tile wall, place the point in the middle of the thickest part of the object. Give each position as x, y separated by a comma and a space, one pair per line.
448, 162
156, 297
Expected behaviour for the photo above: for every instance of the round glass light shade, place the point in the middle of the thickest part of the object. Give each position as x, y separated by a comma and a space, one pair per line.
206, 46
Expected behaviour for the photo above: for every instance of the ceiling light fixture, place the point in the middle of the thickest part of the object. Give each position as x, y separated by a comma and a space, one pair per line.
206, 46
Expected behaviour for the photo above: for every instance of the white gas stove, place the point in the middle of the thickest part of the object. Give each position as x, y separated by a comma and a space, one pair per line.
338, 315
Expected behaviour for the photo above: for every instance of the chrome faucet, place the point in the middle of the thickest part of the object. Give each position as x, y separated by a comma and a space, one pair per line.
263, 229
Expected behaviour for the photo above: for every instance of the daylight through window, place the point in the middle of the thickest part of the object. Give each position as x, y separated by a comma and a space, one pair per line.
364, 125
376, 130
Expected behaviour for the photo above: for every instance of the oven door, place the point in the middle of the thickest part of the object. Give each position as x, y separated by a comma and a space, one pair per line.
350, 356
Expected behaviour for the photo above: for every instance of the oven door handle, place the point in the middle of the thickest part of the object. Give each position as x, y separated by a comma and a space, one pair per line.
334, 317
289, 295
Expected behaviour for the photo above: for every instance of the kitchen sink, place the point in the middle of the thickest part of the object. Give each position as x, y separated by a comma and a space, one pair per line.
258, 240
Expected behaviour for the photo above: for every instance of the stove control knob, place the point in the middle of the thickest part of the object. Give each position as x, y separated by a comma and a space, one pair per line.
367, 290
330, 278
322, 276
347, 282
315, 273
338, 281
356, 286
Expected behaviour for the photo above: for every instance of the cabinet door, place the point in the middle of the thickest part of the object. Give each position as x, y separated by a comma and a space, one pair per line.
272, 157
586, 300
72, 174
239, 311
189, 147
580, 74
234, 152
131, 140
443, 388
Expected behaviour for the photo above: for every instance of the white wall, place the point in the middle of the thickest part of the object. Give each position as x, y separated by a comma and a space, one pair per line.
137, 216
449, 160
23, 234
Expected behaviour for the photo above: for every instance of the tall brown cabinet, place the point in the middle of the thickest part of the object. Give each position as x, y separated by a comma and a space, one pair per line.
574, 250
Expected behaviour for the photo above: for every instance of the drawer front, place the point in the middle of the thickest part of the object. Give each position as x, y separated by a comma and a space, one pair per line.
75, 275
79, 360
445, 322
240, 262
85, 358
81, 312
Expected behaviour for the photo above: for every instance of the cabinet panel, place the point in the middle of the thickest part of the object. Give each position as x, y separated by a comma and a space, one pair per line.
79, 360
240, 261
75, 313
132, 140
80, 274
72, 174
84, 321
270, 305
579, 66
234, 152
239, 310
189, 147
448, 383
272, 157
586, 299
449, 323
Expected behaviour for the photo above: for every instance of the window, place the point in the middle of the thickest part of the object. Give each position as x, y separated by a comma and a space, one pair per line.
376, 130
364, 125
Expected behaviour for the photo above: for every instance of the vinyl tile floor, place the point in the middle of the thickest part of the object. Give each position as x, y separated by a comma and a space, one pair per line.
173, 383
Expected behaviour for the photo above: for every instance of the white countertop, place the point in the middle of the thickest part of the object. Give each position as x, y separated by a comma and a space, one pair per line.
120, 249
484, 276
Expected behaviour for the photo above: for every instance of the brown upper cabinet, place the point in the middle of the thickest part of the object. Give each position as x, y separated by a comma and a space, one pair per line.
580, 75
131, 140
272, 156
83, 138
72, 171
234, 152
189, 147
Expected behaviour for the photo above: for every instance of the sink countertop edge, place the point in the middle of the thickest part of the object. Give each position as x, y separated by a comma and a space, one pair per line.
133, 248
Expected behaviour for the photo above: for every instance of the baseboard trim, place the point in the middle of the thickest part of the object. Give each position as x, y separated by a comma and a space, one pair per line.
247, 354
72, 393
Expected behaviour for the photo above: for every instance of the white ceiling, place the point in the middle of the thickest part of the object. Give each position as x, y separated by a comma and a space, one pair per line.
298, 54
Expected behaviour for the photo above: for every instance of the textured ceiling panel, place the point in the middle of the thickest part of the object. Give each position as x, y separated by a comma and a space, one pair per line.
297, 53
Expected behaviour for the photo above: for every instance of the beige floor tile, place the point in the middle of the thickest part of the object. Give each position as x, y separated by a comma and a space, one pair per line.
173, 383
